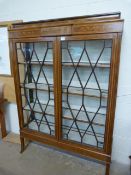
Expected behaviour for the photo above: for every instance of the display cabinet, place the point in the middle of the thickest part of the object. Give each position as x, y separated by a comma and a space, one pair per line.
66, 73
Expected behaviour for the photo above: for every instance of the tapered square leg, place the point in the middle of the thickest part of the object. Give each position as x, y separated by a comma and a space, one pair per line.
107, 169
2, 122
22, 144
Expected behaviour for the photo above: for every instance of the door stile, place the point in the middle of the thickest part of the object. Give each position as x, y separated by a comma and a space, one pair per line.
17, 82
57, 86
113, 82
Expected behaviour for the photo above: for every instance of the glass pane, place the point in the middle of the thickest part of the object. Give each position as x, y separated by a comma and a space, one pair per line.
35, 61
85, 80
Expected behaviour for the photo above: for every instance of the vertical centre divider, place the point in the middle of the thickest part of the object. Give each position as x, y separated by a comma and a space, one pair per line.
57, 86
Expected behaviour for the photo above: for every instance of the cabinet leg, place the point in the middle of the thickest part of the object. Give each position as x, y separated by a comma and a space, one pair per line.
2, 122
22, 144
107, 169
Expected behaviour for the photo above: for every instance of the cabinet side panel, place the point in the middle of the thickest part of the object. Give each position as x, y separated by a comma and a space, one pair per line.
112, 93
16, 81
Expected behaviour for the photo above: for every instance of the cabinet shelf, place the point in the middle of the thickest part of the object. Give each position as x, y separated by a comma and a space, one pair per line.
66, 127
50, 109
37, 108
82, 131
102, 64
47, 63
101, 111
82, 121
38, 86
90, 85
71, 90
100, 119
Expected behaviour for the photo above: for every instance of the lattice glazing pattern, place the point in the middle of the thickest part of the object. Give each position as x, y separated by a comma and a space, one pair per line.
85, 79
35, 62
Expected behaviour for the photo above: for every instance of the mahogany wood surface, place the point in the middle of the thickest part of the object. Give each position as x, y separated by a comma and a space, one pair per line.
2, 119
106, 26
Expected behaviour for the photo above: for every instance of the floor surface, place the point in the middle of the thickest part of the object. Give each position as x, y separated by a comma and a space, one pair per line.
41, 160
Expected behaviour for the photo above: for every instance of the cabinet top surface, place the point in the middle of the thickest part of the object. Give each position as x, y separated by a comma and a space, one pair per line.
77, 19
101, 23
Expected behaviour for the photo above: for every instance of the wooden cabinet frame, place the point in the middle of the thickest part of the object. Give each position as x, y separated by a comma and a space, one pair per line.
76, 29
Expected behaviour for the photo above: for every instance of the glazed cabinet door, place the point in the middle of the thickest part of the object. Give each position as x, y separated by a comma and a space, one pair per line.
86, 63
35, 65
